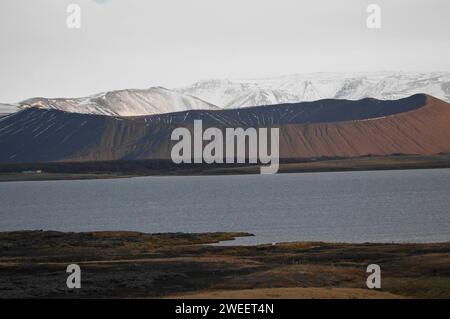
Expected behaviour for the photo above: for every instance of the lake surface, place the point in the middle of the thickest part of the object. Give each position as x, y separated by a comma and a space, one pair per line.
378, 206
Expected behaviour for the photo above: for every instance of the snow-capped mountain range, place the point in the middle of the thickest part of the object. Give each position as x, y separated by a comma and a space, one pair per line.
226, 93
311, 87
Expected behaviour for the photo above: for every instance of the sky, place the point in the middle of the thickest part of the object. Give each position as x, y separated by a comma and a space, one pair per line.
171, 43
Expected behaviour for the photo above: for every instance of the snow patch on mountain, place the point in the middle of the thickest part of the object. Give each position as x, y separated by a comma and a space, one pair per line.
156, 100
310, 87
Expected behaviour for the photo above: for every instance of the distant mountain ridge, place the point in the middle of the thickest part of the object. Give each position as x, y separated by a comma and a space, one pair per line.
8, 109
226, 94
155, 100
316, 86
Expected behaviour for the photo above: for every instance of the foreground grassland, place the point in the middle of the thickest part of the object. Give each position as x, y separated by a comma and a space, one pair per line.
133, 265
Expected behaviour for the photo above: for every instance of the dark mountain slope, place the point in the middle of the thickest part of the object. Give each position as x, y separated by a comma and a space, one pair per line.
45, 135
415, 125
424, 131
306, 112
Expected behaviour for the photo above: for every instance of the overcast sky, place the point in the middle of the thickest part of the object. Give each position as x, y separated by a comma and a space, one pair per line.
143, 43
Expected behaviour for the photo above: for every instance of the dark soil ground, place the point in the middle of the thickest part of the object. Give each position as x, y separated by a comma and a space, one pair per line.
129, 265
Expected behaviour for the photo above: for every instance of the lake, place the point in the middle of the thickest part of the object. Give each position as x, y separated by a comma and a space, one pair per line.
376, 206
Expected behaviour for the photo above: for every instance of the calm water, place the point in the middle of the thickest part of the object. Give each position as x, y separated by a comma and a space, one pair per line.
383, 206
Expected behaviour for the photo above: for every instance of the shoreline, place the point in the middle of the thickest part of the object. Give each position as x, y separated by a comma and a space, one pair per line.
116, 170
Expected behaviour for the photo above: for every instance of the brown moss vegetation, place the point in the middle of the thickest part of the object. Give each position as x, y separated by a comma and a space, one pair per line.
130, 264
